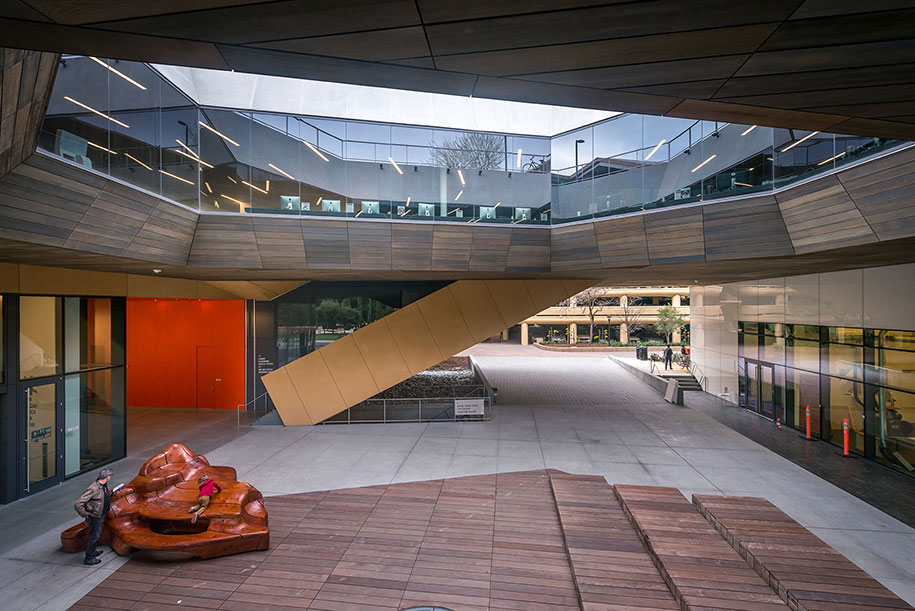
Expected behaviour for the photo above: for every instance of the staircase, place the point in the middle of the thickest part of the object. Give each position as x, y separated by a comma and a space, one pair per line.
687, 381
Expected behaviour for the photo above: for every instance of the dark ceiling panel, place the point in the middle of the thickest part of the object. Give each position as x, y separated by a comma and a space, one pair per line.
825, 8
75, 12
279, 63
812, 81
846, 61
434, 11
563, 95
847, 29
115, 45
656, 73
599, 23
829, 58
276, 20
662, 47
377, 45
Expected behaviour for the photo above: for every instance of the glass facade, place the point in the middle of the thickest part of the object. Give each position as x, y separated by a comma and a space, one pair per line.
64, 403
864, 376
124, 120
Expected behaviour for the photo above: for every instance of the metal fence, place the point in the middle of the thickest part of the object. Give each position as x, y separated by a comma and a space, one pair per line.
467, 404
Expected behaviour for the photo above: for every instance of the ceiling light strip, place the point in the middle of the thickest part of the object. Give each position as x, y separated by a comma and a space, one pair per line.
187, 148
519, 159
129, 156
98, 112
458, 196
833, 158
749, 129
461, 176
118, 72
703, 163
232, 199
316, 151
394, 163
286, 174
193, 158
176, 177
810, 135
218, 133
99, 146
655, 149
255, 187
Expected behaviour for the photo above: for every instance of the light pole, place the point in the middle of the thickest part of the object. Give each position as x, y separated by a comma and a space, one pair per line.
577, 142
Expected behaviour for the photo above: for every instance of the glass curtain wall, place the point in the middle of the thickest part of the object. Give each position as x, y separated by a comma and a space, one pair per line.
73, 345
864, 376
122, 119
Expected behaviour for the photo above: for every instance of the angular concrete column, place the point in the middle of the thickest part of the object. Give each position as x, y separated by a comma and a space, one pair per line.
355, 367
524, 334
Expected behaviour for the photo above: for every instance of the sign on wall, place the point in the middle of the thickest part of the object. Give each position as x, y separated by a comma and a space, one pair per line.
468, 407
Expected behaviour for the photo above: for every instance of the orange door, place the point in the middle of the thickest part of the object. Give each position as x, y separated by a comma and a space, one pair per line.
206, 377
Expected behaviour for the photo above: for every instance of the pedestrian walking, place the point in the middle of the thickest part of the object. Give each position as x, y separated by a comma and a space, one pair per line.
668, 358
93, 506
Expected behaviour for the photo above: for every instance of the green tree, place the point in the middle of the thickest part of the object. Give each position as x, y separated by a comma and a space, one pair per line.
669, 321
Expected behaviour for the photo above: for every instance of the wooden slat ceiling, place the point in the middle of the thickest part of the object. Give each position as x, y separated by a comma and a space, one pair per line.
840, 65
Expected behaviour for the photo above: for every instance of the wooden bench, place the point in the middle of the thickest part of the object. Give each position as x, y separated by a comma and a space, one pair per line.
806, 572
151, 512
610, 564
699, 566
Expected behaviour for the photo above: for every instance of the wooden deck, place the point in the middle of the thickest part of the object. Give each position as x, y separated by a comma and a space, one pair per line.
807, 573
532, 540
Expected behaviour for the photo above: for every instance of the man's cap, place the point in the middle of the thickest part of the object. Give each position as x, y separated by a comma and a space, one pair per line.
105, 473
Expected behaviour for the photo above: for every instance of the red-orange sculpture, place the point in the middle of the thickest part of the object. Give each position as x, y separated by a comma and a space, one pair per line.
151, 512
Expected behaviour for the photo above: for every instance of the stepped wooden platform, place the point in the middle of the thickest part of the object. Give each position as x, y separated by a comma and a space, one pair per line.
151, 512
533, 540
805, 571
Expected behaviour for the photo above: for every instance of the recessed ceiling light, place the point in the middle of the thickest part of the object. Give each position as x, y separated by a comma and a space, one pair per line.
221, 135
99, 113
255, 187
748, 130
458, 196
396, 167
833, 158
98, 146
461, 176
519, 159
118, 72
156, 270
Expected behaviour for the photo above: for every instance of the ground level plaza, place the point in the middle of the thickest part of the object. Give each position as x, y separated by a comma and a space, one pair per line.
580, 414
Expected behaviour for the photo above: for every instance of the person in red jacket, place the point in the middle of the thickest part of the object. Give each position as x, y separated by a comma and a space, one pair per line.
207, 489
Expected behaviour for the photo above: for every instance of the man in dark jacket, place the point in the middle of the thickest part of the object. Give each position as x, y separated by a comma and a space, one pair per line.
668, 358
93, 506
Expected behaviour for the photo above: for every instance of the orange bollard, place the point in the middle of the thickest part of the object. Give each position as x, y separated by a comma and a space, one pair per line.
845, 437
808, 421
808, 435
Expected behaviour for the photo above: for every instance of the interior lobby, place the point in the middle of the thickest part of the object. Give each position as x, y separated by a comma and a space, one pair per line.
386, 260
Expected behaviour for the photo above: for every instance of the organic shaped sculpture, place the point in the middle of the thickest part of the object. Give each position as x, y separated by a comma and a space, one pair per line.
151, 512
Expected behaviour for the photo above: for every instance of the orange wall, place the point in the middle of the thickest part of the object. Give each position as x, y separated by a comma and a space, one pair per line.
162, 340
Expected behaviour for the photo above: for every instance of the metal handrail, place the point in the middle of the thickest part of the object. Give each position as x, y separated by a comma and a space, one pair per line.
244, 407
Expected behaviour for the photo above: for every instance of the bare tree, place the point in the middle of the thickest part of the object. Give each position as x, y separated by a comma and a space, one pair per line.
590, 300
631, 312
470, 150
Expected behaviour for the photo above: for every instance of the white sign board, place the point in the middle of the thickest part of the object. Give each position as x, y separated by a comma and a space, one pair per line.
468, 407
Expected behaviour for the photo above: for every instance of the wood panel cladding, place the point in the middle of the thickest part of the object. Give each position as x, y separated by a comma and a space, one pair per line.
319, 385
574, 247
744, 229
884, 192
820, 215
622, 242
25, 84
675, 235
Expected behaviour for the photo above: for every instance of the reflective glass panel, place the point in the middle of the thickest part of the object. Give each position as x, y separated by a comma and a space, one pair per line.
40, 337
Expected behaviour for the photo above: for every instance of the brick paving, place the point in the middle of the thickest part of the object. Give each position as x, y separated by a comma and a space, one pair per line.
531, 540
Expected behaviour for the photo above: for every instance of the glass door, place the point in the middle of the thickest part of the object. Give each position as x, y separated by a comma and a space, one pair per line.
767, 390
753, 386
42, 457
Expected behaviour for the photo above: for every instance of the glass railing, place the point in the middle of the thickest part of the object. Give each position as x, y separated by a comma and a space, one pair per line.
704, 161
124, 120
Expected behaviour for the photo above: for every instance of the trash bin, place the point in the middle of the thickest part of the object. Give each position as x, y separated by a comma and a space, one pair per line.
641, 353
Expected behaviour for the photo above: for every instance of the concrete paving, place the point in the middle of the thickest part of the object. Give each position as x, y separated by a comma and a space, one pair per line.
581, 414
